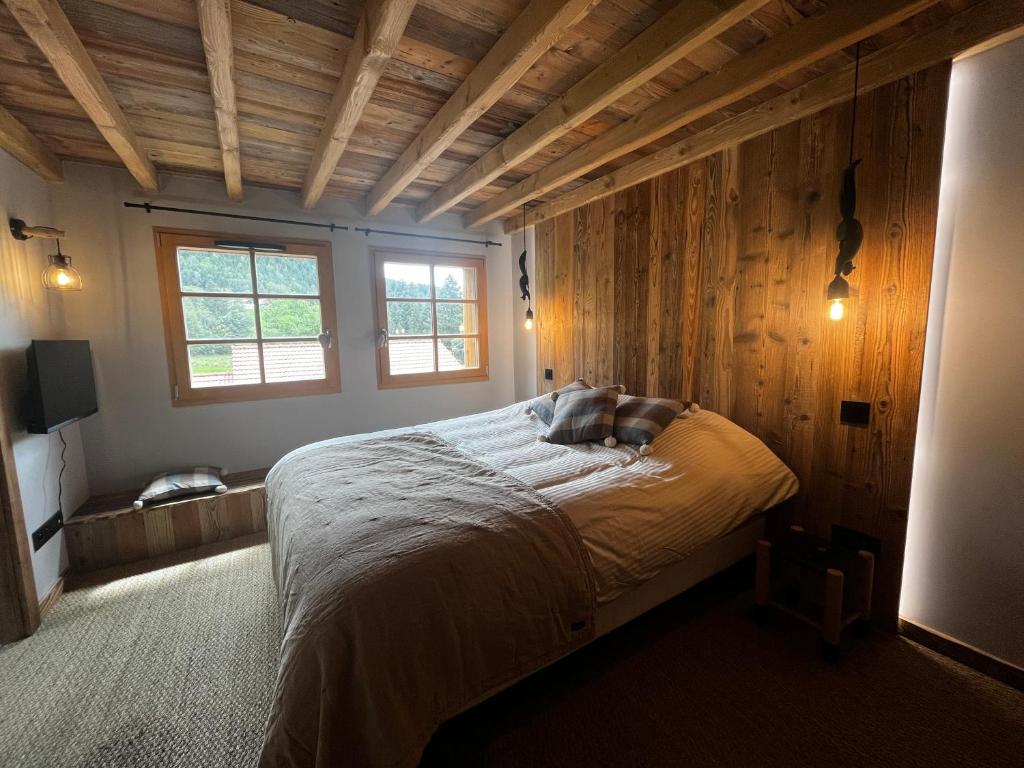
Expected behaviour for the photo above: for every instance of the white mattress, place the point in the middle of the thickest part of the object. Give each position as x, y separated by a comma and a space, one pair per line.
636, 514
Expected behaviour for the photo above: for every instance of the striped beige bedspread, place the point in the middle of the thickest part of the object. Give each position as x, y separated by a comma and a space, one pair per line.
636, 514
413, 580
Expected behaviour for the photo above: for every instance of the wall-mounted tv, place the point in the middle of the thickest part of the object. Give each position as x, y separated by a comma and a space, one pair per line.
61, 388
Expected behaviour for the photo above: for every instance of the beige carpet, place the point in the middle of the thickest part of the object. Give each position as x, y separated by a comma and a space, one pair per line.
170, 668
176, 668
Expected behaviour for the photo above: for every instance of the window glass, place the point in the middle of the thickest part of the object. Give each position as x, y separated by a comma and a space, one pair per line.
407, 281
291, 275
454, 282
216, 318
214, 271
223, 365
283, 318
293, 361
454, 319
458, 354
410, 318
411, 356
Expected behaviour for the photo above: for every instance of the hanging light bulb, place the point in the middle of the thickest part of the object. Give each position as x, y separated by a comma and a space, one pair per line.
838, 293
528, 323
59, 275
835, 310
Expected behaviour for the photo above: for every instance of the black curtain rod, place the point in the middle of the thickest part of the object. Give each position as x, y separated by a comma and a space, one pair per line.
369, 232
150, 207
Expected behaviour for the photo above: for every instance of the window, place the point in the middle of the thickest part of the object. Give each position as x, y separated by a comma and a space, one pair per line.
432, 318
245, 318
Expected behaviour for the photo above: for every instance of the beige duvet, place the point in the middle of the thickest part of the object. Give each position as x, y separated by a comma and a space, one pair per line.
421, 568
413, 580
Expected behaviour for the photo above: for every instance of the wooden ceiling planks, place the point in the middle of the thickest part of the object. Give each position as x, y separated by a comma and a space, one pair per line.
288, 60
45, 22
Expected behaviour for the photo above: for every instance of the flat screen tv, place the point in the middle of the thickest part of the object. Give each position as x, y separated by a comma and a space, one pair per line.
61, 388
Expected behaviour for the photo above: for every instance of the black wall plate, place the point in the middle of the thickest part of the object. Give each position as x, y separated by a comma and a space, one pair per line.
855, 413
45, 532
549, 375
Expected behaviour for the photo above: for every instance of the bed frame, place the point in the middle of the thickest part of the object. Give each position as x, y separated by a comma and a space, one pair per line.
707, 561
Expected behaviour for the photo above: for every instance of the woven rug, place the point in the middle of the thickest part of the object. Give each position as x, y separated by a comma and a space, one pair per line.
176, 668
171, 668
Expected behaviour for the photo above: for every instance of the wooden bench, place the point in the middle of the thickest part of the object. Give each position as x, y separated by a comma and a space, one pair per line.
107, 532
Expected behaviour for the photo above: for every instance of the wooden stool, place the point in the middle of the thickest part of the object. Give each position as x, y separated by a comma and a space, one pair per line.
826, 586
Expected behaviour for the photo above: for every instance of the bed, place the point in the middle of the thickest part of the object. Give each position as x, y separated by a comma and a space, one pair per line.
422, 570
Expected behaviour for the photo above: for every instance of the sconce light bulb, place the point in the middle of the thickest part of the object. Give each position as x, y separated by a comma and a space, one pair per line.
528, 324
60, 275
835, 309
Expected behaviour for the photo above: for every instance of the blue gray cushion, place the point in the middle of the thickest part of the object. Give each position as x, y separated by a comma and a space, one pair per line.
173, 485
583, 416
544, 406
639, 420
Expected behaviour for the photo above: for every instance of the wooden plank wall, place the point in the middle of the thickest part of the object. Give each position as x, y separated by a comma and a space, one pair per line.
708, 283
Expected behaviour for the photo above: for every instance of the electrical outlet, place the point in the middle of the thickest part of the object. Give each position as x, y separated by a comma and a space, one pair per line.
549, 375
45, 532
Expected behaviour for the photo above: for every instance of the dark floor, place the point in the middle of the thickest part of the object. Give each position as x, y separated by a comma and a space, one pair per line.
697, 683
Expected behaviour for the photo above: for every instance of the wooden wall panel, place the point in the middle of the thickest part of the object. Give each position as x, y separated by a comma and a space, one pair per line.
708, 283
108, 532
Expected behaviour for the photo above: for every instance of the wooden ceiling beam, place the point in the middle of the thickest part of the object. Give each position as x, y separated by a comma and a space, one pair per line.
532, 33
679, 32
785, 53
215, 26
50, 30
993, 19
24, 147
376, 40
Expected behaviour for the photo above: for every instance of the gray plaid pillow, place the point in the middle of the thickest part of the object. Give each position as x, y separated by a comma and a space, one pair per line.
583, 416
173, 485
544, 406
639, 420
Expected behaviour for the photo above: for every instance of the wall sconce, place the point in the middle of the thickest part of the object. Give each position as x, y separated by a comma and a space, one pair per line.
849, 233
524, 280
59, 275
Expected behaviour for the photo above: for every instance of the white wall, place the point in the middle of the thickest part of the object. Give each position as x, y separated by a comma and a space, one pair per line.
27, 312
138, 433
964, 573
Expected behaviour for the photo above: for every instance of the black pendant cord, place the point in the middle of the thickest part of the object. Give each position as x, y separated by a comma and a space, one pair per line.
856, 86
524, 277
529, 297
63, 466
150, 207
849, 233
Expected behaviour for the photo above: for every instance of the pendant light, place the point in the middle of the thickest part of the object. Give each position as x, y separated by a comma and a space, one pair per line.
849, 233
524, 280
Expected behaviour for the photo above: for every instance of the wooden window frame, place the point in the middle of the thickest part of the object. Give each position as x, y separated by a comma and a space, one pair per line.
182, 393
387, 380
